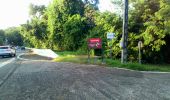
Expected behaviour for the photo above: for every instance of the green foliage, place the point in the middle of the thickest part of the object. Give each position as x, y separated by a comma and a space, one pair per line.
68, 24
60, 16
104, 23
2, 37
35, 30
148, 25
74, 27
93, 3
13, 36
35, 10
73, 57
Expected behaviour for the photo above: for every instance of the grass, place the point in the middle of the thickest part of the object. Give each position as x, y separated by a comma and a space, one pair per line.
82, 59
137, 66
65, 53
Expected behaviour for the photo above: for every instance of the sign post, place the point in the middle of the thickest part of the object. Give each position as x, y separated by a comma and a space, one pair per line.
110, 36
88, 55
140, 44
94, 43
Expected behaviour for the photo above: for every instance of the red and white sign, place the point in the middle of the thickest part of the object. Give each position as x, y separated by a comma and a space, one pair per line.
95, 43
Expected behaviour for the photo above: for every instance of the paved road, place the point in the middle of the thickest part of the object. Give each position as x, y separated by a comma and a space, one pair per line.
47, 80
5, 59
2, 60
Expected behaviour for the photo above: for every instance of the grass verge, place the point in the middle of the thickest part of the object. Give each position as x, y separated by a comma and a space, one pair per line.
82, 59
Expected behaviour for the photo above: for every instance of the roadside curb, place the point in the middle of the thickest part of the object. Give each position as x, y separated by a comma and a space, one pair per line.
18, 57
147, 72
152, 72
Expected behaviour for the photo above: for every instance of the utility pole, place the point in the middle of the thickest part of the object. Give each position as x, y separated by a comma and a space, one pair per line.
125, 33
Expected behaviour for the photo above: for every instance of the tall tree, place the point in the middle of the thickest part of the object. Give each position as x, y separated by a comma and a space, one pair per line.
35, 30
13, 36
35, 10
58, 13
163, 18
93, 3
2, 37
149, 25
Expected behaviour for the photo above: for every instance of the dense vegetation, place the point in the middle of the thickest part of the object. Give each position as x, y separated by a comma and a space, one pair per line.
11, 36
65, 25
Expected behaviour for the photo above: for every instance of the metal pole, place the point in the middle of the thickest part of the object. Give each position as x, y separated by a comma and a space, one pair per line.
125, 33
88, 56
102, 56
140, 55
110, 48
110, 52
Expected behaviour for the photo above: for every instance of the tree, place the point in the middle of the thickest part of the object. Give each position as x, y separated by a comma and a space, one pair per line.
74, 32
58, 13
36, 11
67, 24
104, 23
13, 36
93, 3
149, 25
2, 37
163, 17
35, 30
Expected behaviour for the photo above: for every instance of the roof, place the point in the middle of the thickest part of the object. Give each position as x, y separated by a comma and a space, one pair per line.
5, 46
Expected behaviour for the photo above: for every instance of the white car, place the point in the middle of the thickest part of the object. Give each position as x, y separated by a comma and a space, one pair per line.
7, 51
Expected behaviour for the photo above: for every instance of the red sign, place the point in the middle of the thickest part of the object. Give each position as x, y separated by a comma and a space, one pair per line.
95, 43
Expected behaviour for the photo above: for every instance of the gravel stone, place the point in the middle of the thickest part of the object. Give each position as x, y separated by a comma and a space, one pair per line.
47, 80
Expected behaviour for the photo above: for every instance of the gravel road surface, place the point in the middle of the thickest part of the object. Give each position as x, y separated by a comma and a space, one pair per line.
47, 80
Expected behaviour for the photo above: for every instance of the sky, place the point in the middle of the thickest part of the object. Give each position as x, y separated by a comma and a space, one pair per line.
15, 12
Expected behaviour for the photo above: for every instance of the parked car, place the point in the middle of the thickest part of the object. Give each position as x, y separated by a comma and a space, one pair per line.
22, 48
7, 51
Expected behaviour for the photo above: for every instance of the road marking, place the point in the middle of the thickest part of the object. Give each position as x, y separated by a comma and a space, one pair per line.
7, 62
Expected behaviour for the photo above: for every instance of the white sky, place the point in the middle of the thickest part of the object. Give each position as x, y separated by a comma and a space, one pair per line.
106, 5
15, 12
